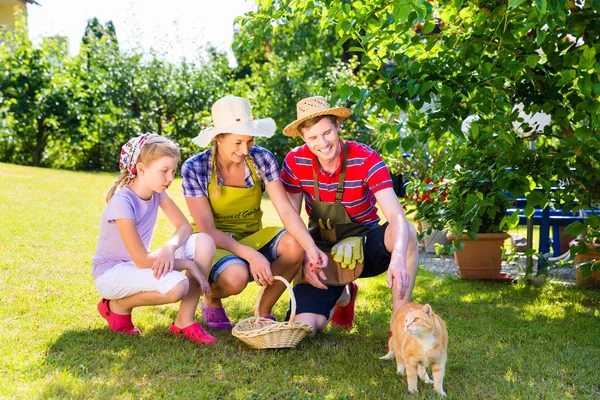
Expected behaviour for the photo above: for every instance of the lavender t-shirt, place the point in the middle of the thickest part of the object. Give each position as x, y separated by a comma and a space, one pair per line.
110, 249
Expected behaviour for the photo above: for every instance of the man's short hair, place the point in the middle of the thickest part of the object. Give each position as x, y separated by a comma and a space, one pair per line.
309, 123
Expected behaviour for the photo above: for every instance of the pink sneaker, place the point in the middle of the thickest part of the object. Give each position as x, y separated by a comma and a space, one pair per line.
344, 316
194, 332
120, 323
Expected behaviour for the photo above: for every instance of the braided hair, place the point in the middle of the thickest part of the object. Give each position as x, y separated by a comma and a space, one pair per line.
216, 193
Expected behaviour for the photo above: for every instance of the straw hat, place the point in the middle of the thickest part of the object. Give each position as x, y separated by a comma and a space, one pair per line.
232, 114
313, 107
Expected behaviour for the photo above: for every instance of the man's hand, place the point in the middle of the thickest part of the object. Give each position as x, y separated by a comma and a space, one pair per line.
400, 274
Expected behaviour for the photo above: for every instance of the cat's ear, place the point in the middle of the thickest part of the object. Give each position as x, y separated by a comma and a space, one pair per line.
427, 310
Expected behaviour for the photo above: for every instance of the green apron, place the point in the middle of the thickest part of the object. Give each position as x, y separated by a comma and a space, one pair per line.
337, 226
237, 212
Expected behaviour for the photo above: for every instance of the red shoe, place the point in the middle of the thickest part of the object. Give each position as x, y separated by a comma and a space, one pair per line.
120, 323
194, 332
344, 316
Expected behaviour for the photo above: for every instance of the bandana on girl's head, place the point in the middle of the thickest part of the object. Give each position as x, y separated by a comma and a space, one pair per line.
129, 155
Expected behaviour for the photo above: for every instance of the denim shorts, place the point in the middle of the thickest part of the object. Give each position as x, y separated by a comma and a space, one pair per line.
269, 250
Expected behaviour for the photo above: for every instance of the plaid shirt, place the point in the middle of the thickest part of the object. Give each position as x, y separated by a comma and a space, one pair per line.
196, 171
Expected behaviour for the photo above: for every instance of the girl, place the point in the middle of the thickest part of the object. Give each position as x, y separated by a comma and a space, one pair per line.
223, 188
127, 275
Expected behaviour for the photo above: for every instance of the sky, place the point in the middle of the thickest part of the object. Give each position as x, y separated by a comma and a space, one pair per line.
174, 29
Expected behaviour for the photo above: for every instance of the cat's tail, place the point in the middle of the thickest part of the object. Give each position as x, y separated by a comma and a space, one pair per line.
390, 355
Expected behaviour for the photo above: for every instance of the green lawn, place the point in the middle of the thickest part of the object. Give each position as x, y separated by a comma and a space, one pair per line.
506, 341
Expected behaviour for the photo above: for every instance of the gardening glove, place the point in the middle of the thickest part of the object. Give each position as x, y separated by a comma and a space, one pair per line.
348, 252
338, 253
342, 253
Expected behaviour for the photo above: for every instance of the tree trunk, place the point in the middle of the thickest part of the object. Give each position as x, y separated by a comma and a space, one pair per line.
40, 143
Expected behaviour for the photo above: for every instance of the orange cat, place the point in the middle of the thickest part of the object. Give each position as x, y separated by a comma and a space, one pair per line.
419, 340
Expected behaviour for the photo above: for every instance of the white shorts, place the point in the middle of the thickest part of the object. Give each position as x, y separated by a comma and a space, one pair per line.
126, 279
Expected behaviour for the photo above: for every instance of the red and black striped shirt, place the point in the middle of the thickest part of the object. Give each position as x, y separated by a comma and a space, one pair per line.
366, 174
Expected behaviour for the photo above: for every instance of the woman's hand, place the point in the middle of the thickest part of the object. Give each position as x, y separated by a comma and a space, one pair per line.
314, 262
260, 268
164, 261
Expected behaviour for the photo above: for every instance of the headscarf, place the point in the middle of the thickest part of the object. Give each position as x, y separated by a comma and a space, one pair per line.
130, 153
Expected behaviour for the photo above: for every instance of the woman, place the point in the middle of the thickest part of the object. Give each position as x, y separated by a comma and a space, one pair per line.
223, 188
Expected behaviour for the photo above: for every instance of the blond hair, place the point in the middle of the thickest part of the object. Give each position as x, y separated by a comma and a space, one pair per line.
216, 193
154, 147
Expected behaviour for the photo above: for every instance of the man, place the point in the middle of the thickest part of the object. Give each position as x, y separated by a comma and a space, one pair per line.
351, 178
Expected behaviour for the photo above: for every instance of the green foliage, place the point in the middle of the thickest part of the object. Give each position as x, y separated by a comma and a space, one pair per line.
35, 93
426, 200
283, 62
76, 112
275, 87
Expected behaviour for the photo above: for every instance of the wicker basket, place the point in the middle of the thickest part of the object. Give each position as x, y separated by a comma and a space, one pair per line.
263, 333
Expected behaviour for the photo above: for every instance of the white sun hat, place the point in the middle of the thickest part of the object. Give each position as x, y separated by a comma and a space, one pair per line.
232, 114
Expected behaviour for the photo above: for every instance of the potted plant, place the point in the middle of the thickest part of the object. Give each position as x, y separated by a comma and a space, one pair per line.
473, 211
587, 255
424, 199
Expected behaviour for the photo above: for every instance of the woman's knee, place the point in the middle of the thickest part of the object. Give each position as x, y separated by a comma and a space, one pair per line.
178, 292
232, 283
290, 247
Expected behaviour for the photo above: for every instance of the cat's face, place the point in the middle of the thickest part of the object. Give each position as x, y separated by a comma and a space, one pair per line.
418, 322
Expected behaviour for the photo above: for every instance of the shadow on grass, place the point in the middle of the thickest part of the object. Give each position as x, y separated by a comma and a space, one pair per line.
506, 341
512, 340
531, 336
99, 363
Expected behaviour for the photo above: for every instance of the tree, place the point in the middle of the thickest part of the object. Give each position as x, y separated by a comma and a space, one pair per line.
36, 95
431, 64
278, 67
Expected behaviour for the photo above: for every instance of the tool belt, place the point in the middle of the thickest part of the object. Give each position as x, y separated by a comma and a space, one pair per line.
335, 274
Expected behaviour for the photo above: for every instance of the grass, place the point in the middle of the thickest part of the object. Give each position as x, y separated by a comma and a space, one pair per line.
506, 341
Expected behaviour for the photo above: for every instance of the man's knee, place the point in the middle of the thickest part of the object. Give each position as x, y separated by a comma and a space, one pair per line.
412, 242
412, 235
317, 321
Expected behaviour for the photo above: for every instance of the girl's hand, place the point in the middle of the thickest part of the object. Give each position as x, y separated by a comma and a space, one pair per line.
260, 268
193, 272
314, 262
164, 262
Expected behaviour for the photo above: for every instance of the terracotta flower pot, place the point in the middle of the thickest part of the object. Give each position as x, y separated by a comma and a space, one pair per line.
594, 254
481, 259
